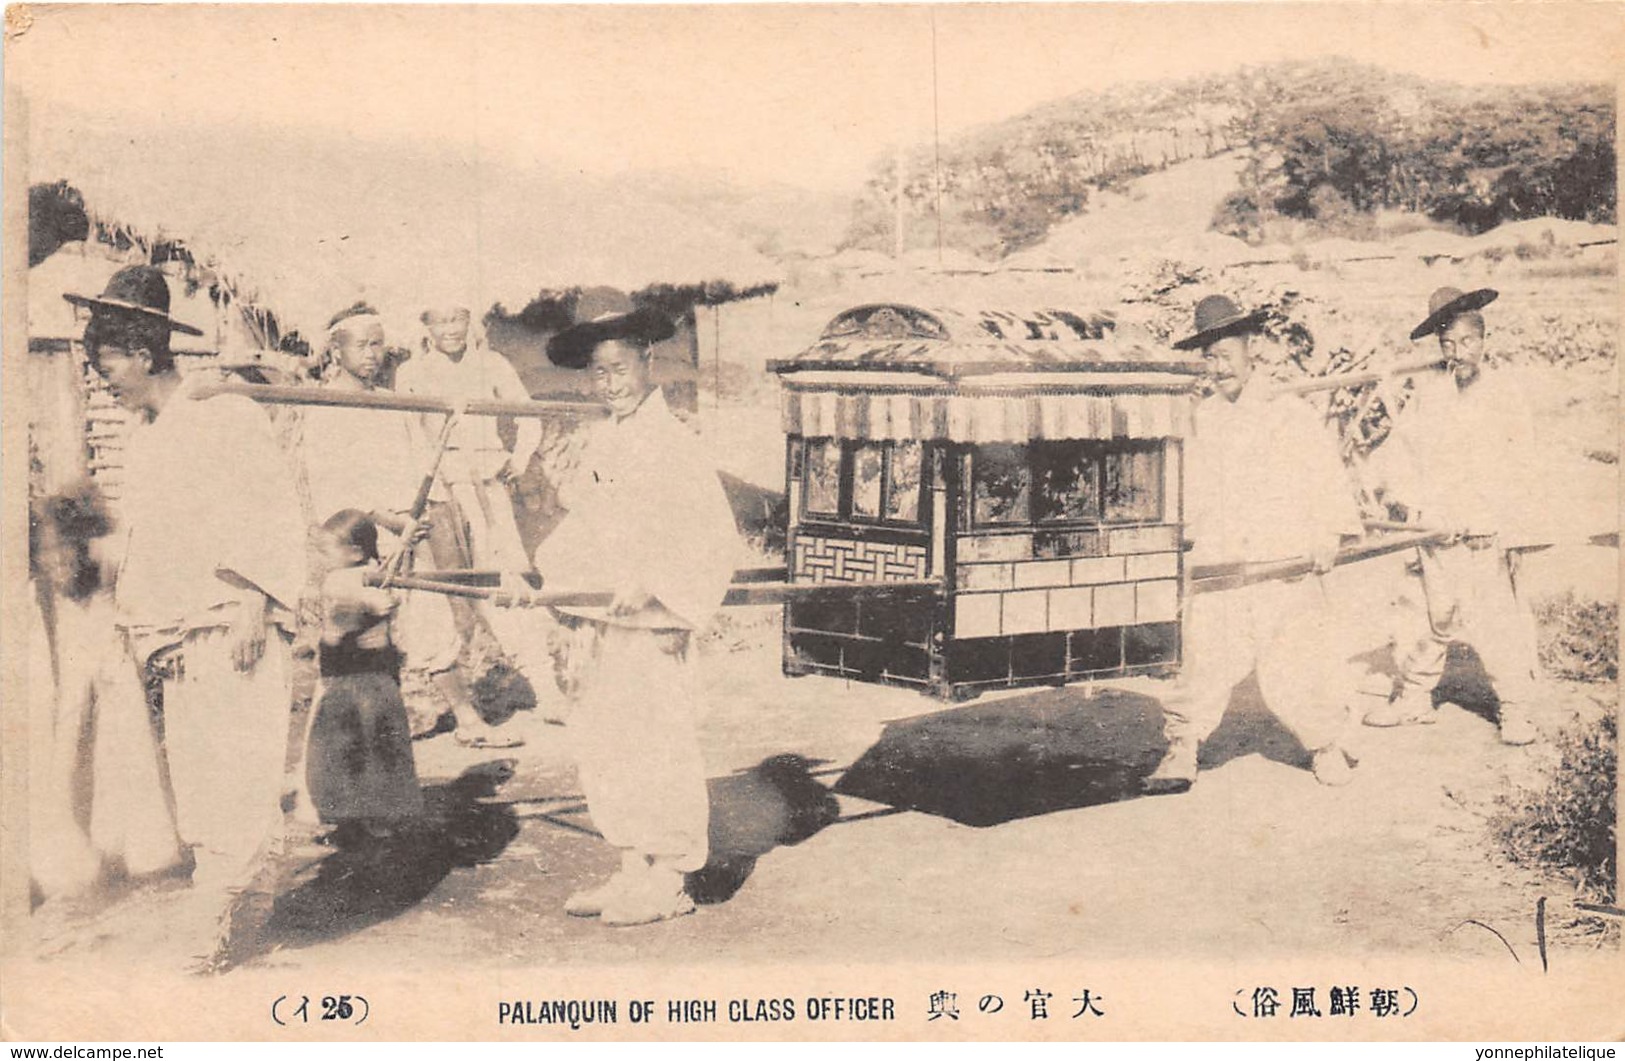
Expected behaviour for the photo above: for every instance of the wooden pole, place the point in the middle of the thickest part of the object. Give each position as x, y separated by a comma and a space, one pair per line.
1212, 578
490, 577
420, 501
765, 585
741, 594
408, 403
1605, 540
1356, 379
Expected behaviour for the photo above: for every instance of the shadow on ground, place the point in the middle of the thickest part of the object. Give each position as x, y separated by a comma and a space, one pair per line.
349, 882
1466, 684
986, 764
1058, 749
776, 803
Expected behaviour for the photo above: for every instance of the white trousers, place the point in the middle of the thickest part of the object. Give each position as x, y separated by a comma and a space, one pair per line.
226, 734
95, 712
1470, 598
637, 747
424, 627
1284, 632
129, 816
494, 542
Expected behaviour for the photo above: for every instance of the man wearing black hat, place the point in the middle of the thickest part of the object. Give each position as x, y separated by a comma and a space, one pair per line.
1460, 460
647, 519
212, 569
1263, 484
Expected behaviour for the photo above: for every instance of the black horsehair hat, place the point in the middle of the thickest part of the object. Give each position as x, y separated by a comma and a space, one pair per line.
137, 290
1217, 317
605, 315
1448, 303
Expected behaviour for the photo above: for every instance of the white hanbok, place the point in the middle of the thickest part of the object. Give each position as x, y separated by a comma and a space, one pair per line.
1463, 460
210, 506
1264, 483
646, 510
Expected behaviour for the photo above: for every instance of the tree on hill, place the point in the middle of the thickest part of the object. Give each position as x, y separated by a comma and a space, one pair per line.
1331, 142
1331, 139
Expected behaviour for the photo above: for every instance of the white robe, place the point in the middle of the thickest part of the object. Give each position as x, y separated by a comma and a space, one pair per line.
208, 492
645, 508
1264, 483
367, 459
475, 452
210, 497
1466, 460
646, 511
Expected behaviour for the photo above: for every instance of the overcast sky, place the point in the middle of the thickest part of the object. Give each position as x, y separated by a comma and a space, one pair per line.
808, 96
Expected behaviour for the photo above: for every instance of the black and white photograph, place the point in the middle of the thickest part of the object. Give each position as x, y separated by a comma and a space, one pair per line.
811, 522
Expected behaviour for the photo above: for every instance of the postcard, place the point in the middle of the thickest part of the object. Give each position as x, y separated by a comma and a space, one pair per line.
830, 522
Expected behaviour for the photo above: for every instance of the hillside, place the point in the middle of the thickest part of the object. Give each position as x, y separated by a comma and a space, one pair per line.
312, 223
1330, 142
779, 220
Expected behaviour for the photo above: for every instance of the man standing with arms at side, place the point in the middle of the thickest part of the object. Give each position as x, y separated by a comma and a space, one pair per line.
1463, 461
1263, 484
208, 588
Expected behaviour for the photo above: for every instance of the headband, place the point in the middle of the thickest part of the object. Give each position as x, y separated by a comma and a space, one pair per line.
344, 324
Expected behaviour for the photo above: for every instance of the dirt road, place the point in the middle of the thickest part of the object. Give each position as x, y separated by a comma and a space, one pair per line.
1007, 828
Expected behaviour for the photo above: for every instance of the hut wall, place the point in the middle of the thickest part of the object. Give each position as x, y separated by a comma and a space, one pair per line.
56, 417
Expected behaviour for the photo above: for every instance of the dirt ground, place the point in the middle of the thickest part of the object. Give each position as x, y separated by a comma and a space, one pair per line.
1007, 828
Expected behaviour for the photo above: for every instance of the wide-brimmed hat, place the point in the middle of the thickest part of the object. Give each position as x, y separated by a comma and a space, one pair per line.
602, 315
136, 289
1448, 303
1217, 317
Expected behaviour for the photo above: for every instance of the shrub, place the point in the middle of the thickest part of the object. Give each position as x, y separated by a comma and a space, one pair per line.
1579, 639
1568, 825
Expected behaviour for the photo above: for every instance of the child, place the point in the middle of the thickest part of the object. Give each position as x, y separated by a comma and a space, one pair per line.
358, 762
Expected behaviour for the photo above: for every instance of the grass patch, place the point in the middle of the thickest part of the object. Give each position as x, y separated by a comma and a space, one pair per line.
1579, 639
1567, 826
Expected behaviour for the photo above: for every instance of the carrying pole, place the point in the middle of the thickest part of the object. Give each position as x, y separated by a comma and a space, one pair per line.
1212, 578
740, 594
392, 400
753, 586
1356, 379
